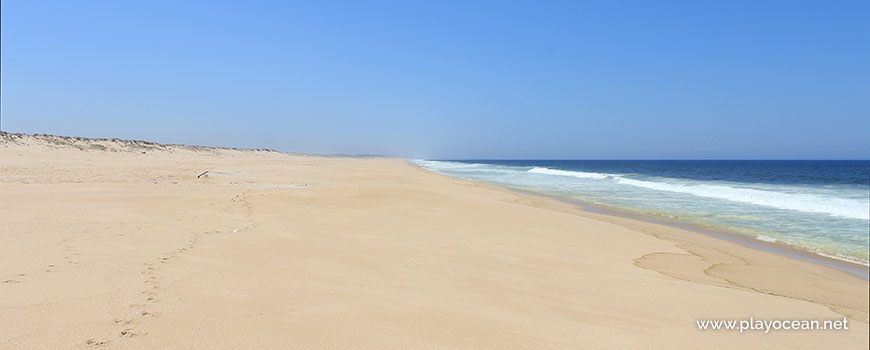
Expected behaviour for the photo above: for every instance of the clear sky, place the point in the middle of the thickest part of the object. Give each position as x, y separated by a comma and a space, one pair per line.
441, 79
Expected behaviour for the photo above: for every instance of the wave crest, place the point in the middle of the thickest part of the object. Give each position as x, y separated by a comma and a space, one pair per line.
811, 203
578, 174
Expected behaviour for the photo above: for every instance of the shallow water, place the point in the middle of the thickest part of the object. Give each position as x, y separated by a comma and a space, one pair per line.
819, 206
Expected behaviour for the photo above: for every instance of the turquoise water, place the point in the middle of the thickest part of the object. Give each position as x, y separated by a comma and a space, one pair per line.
819, 206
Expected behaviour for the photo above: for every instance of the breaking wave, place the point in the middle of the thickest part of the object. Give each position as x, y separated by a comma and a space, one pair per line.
805, 202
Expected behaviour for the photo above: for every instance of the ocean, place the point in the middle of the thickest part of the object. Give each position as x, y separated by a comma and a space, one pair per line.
819, 206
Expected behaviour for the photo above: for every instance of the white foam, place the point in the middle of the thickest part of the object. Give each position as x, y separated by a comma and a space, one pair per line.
445, 166
577, 174
842, 258
810, 203
722, 203
765, 238
804, 202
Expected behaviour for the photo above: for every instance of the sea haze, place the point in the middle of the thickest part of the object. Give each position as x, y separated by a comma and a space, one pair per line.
819, 206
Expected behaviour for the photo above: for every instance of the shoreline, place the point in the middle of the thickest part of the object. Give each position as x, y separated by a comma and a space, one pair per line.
779, 248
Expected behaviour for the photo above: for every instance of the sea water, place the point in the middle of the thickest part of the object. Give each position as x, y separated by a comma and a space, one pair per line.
819, 206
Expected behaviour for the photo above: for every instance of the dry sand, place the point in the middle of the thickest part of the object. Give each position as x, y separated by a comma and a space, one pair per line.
104, 246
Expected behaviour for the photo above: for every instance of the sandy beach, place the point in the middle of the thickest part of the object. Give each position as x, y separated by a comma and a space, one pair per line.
118, 244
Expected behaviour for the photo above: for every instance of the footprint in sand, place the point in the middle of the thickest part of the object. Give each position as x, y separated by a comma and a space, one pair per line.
124, 321
12, 280
130, 332
96, 342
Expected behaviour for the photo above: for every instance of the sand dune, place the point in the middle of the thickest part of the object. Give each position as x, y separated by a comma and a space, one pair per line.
118, 244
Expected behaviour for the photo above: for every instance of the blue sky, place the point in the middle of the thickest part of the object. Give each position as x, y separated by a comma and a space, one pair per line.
440, 79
